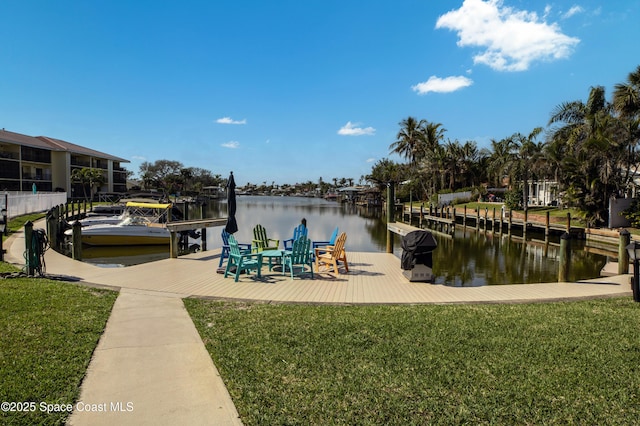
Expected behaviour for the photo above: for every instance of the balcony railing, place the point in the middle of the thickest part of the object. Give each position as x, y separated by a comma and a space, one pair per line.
80, 163
10, 155
31, 176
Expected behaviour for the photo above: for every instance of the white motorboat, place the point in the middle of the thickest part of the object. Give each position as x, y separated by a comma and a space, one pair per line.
142, 224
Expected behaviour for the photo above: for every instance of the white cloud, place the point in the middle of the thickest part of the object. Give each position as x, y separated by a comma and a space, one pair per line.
139, 158
371, 160
511, 39
442, 85
231, 144
229, 120
352, 129
573, 11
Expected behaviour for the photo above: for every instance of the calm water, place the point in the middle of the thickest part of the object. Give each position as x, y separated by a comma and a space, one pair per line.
469, 258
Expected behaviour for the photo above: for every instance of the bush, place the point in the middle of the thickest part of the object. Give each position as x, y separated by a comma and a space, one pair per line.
633, 213
513, 199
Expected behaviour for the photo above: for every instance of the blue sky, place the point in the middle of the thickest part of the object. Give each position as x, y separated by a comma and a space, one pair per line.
291, 91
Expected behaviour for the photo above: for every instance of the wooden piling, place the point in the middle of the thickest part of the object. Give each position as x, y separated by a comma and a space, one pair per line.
28, 236
76, 241
547, 224
565, 255
390, 214
623, 255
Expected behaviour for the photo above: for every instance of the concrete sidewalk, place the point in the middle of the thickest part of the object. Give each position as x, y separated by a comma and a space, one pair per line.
151, 368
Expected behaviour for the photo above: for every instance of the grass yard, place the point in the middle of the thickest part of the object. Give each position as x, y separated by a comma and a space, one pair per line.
556, 363
48, 332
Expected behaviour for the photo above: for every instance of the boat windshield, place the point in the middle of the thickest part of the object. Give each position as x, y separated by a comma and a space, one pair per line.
135, 220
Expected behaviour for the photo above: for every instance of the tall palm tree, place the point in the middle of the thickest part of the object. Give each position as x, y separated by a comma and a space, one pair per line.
409, 139
626, 96
501, 160
596, 152
528, 154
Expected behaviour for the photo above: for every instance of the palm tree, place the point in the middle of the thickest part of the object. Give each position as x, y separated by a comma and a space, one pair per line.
501, 159
597, 147
529, 153
87, 177
409, 139
626, 97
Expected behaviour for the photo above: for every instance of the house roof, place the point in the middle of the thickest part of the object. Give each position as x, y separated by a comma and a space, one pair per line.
45, 142
60, 145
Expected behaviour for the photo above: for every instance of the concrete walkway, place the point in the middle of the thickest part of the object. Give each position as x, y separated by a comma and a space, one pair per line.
151, 367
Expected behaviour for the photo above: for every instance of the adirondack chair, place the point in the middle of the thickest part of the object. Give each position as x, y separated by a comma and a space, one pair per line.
225, 247
299, 255
331, 255
331, 242
260, 240
298, 231
242, 261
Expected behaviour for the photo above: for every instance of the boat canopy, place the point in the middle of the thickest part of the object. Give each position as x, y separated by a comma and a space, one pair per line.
148, 205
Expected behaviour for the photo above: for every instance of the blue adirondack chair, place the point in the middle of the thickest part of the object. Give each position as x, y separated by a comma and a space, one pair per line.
332, 241
242, 261
298, 231
225, 247
298, 256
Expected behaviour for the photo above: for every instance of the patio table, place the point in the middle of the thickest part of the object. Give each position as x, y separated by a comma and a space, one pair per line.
271, 255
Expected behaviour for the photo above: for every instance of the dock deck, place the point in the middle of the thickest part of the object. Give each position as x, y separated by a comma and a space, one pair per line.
373, 278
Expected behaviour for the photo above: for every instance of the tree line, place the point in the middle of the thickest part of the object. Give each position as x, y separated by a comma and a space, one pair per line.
589, 148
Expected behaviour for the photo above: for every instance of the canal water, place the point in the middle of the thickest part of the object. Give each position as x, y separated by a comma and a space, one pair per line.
468, 258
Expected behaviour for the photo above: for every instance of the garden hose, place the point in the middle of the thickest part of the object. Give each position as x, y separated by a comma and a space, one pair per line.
35, 257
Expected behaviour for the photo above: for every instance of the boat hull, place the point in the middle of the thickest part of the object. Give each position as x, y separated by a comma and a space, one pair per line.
124, 240
130, 235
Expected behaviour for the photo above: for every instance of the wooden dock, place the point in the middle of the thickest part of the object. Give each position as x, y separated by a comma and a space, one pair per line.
496, 220
373, 278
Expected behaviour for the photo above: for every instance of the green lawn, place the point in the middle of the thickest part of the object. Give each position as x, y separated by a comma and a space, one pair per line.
556, 363
48, 332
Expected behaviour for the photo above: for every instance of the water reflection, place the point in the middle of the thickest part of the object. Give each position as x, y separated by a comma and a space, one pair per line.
473, 258
468, 258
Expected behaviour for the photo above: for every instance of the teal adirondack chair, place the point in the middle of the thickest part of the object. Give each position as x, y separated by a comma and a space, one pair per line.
298, 256
225, 247
260, 240
241, 260
298, 231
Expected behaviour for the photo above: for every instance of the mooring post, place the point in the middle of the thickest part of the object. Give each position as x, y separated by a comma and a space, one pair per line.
52, 227
565, 254
623, 255
464, 217
76, 240
486, 216
478, 217
28, 236
203, 239
390, 214
174, 244
493, 221
547, 225
510, 222
568, 222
